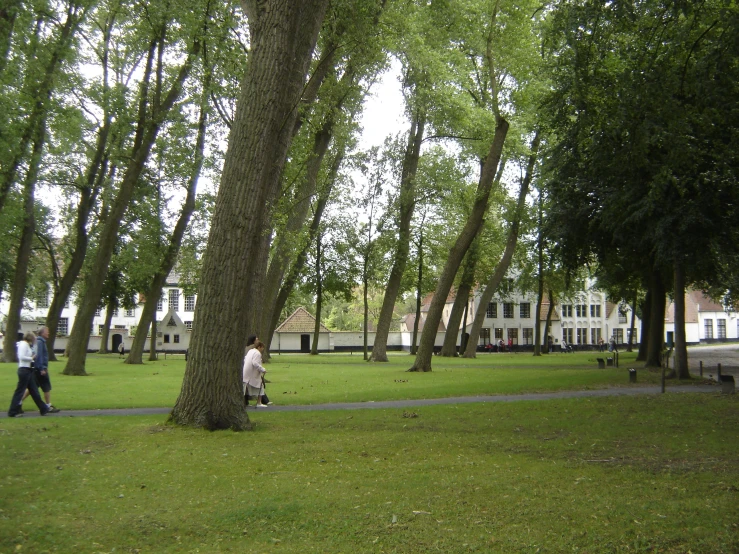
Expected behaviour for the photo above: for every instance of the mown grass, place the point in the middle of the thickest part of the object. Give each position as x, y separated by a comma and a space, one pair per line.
621, 474
303, 379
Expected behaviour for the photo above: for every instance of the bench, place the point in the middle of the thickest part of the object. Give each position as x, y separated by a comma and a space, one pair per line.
601, 363
727, 384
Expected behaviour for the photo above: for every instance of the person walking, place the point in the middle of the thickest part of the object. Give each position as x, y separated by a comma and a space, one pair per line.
25, 379
253, 373
41, 367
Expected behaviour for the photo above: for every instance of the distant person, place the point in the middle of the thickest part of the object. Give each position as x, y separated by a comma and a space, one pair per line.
551, 344
612, 344
510, 345
601, 344
501, 345
25, 378
254, 372
121, 350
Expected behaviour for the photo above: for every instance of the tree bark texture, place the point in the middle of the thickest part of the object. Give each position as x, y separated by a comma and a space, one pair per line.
657, 320
548, 325
283, 35
681, 348
456, 254
500, 270
632, 327
540, 290
407, 203
419, 293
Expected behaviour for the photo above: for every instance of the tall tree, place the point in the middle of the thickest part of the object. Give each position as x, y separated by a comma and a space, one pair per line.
283, 36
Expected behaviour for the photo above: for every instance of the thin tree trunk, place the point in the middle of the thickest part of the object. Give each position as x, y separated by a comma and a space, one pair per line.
20, 277
505, 261
282, 38
646, 322
319, 298
632, 328
135, 355
449, 348
419, 293
465, 238
681, 348
111, 307
540, 291
365, 307
146, 134
548, 326
407, 203
153, 339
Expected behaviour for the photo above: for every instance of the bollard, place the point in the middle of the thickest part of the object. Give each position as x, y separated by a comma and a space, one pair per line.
632, 375
701, 365
718, 375
616, 360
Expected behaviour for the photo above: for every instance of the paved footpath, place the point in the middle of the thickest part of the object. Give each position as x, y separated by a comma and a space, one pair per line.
612, 391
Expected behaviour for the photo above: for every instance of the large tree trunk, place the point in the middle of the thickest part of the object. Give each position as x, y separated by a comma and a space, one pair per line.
657, 320
407, 203
147, 130
681, 349
153, 339
110, 307
548, 325
510, 247
135, 355
319, 298
283, 35
449, 348
646, 322
456, 254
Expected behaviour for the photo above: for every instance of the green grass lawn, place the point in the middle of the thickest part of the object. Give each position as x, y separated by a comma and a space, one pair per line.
303, 379
622, 474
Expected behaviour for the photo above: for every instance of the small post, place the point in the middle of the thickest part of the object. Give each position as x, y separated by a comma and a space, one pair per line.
617, 358
663, 379
632, 375
701, 366
718, 377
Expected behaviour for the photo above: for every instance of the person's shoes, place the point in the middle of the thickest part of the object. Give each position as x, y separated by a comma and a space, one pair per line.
53, 410
261, 405
16, 415
269, 403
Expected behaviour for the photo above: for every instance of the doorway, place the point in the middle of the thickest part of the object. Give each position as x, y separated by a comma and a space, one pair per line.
305, 343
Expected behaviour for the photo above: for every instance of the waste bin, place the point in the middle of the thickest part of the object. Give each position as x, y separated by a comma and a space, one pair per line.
632, 375
609, 362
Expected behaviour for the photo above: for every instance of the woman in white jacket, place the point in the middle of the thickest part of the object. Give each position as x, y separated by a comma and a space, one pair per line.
253, 372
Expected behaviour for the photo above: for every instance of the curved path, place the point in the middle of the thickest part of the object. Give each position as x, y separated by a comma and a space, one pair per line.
612, 391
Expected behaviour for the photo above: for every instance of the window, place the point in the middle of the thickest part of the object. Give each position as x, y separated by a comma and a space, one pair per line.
618, 335
97, 312
628, 337
621, 316
708, 325
174, 299
492, 311
101, 328
66, 303
129, 313
485, 335
160, 305
62, 328
498, 333
582, 335
721, 328
188, 325
595, 335
176, 338
567, 335
595, 310
115, 312
528, 335
513, 334
42, 300
525, 310
508, 310
190, 303
582, 310
566, 310
166, 339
